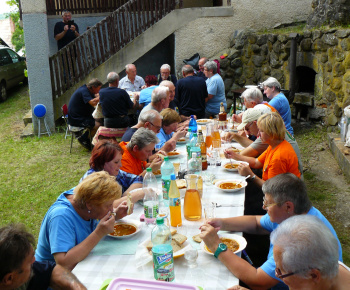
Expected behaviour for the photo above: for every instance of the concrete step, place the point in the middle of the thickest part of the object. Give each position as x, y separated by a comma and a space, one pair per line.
28, 131
340, 152
27, 118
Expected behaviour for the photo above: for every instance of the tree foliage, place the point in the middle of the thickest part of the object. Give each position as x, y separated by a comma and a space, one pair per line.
17, 36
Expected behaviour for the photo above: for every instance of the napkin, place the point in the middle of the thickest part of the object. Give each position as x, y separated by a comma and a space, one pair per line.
110, 246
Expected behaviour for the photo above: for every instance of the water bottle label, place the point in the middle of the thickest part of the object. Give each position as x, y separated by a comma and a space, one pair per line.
163, 265
151, 211
175, 201
165, 188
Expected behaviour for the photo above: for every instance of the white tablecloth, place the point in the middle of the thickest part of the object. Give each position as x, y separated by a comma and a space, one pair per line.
210, 274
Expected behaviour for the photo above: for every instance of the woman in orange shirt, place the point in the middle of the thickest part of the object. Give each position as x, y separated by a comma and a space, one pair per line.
137, 152
278, 158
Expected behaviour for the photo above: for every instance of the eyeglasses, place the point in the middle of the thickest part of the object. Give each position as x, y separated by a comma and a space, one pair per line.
266, 206
158, 127
279, 274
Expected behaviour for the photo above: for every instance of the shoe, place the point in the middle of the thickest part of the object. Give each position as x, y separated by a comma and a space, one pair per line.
85, 143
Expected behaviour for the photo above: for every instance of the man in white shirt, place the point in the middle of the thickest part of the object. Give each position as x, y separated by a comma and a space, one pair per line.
132, 82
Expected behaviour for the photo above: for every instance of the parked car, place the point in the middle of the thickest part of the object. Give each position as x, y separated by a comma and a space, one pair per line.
12, 68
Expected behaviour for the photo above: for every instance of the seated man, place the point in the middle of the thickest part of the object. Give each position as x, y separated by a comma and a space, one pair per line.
285, 196
201, 64
80, 109
19, 270
216, 90
132, 82
165, 75
160, 100
115, 103
171, 87
146, 94
138, 150
191, 93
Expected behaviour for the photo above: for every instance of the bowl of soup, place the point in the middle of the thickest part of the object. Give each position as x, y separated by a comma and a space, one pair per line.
124, 229
231, 185
232, 166
234, 243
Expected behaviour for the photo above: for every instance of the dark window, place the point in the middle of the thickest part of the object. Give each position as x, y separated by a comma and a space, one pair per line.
4, 57
13, 55
305, 79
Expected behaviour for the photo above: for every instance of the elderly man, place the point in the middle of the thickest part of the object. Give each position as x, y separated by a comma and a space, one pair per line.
191, 93
285, 195
80, 109
171, 87
201, 64
66, 30
160, 100
19, 270
132, 82
216, 90
138, 151
115, 103
165, 75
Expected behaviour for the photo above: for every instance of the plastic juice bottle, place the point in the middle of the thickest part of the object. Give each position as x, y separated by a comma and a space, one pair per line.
150, 201
174, 203
166, 169
192, 201
163, 261
201, 144
193, 124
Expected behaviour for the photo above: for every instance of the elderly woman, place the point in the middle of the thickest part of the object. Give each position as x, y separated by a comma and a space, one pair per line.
285, 196
272, 89
79, 219
169, 133
216, 90
279, 157
137, 152
306, 255
107, 156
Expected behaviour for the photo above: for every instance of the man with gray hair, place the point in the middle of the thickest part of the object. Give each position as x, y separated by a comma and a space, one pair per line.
191, 93
132, 82
66, 30
151, 120
160, 100
216, 90
115, 103
165, 75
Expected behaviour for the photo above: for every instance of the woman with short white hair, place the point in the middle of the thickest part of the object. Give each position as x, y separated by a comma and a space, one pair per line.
306, 255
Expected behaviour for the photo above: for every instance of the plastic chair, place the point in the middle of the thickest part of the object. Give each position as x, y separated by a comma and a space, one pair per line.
64, 110
39, 112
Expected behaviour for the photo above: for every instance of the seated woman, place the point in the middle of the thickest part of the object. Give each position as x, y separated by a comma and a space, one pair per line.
146, 94
107, 156
79, 219
137, 152
285, 195
306, 255
169, 133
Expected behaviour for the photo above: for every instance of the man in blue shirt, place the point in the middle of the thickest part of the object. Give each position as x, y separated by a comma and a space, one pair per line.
216, 90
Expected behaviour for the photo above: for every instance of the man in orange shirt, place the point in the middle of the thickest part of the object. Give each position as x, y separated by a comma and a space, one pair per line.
138, 150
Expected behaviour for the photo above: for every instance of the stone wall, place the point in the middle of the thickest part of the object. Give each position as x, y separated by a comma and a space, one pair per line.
253, 57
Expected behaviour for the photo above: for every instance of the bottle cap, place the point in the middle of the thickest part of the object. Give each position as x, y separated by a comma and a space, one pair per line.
160, 220
192, 116
148, 169
189, 130
166, 158
172, 177
194, 134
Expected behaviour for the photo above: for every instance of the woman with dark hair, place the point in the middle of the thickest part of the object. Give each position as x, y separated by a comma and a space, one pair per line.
107, 156
145, 95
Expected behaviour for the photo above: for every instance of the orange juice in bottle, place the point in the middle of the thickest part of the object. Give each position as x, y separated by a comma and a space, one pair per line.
209, 137
192, 202
174, 203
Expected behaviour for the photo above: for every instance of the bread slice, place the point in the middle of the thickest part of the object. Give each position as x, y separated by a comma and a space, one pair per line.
181, 183
175, 246
173, 231
197, 239
129, 203
179, 239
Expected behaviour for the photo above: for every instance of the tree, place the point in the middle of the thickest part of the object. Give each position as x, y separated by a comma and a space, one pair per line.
17, 36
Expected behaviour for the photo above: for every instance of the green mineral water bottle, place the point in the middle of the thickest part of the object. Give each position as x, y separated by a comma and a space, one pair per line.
163, 260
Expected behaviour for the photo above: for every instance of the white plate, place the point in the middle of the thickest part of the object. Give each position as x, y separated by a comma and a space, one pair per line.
204, 121
135, 223
243, 182
233, 162
181, 141
239, 239
177, 254
250, 86
174, 156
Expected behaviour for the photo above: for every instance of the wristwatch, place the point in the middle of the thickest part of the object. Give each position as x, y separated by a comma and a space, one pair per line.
221, 248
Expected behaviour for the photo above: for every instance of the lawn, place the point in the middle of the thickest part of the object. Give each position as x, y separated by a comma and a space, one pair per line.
33, 171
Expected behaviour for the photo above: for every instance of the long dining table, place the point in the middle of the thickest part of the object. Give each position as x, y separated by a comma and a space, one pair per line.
210, 272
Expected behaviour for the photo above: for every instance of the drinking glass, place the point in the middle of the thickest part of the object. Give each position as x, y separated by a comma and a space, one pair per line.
216, 143
209, 211
181, 229
176, 168
191, 256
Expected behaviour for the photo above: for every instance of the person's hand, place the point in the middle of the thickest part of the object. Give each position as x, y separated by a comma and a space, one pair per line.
194, 116
231, 154
180, 133
236, 118
156, 163
106, 225
65, 28
229, 136
244, 170
162, 152
216, 223
210, 237
143, 87
121, 211
73, 28
136, 195
243, 133
237, 287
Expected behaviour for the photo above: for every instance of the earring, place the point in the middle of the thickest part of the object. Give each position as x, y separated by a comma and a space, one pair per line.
89, 211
